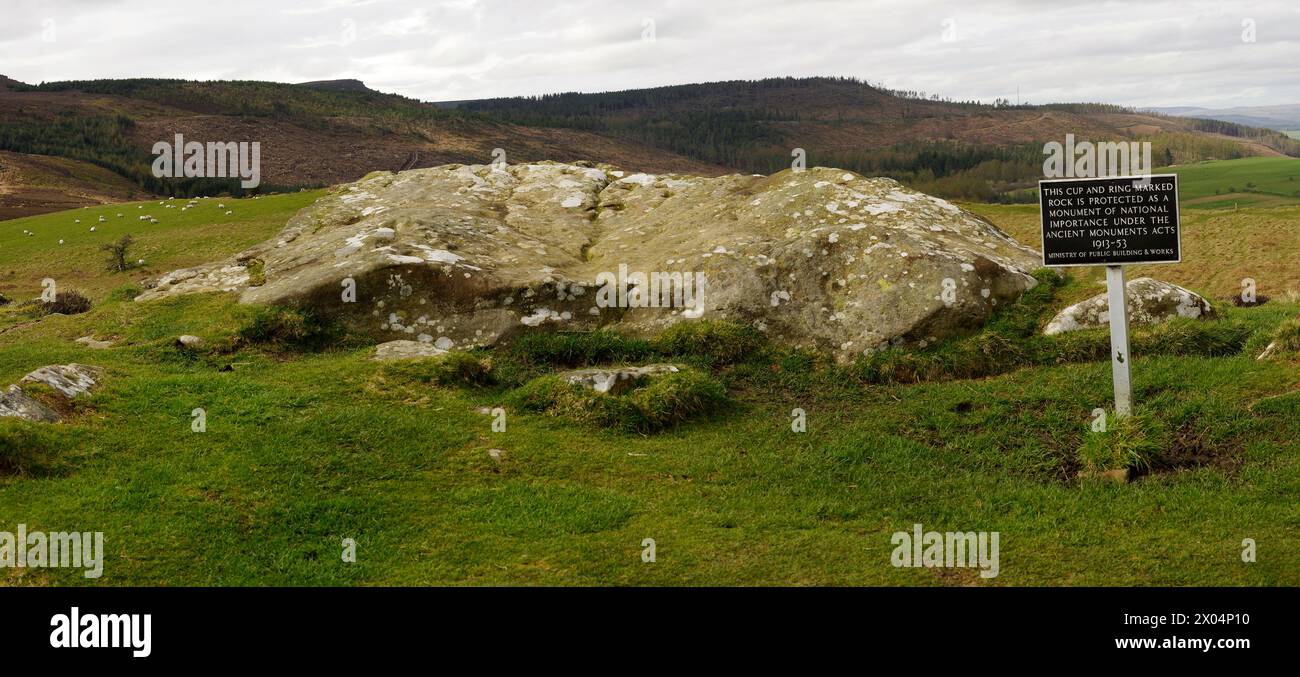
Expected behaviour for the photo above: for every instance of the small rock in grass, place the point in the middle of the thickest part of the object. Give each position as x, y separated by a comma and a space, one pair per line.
404, 350
92, 342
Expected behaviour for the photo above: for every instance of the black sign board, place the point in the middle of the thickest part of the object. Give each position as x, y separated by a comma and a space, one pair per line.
1110, 221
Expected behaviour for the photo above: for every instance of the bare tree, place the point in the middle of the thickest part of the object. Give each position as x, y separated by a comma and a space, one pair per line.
118, 254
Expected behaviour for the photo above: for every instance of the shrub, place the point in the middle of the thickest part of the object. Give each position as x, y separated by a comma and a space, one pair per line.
67, 303
119, 255
720, 342
1134, 442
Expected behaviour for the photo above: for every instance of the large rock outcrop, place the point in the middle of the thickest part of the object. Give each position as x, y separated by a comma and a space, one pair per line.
1150, 301
468, 255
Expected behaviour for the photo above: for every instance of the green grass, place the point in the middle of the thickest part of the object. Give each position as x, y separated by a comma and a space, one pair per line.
1295, 134
310, 442
178, 240
1220, 249
1253, 181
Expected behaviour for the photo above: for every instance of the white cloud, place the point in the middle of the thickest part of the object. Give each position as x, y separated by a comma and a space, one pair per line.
1160, 52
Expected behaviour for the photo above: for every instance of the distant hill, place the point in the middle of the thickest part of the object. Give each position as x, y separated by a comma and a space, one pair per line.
319, 133
1283, 118
951, 148
37, 184
338, 85
310, 136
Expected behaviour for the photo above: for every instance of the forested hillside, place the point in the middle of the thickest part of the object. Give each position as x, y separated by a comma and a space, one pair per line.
316, 134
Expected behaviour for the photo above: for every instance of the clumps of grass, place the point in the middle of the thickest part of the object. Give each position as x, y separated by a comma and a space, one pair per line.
256, 273
126, 292
288, 328
28, 449
719, 342
662, 402
1011, 340
711, 343
673, 398
456, 368
579, 349
1133, 443
1286, 340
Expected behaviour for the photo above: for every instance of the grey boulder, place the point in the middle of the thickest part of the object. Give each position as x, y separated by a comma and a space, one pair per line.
468, 256
1150, 301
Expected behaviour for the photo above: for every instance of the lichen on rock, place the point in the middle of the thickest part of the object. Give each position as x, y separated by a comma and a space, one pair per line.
466, 256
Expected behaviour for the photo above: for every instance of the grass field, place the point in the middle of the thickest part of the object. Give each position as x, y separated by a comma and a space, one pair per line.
180, 239
1253, 181
305, 448
1220, 248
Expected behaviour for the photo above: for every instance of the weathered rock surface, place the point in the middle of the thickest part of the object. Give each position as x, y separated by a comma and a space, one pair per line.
615, 380
405, 350
94, 343
469, 255
1150, 301
15, 402
68, 380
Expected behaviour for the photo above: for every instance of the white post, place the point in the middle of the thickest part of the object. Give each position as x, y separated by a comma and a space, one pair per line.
1117, 297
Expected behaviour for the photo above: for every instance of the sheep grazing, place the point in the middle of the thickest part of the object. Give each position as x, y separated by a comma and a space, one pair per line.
119, 216
77, 220
229, 213
92, 229
60, 241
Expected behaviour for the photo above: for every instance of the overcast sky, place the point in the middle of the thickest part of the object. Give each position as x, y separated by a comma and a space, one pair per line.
1146, 53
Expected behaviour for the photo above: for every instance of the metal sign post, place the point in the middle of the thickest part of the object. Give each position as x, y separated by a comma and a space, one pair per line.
1117, 298
1112, 221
